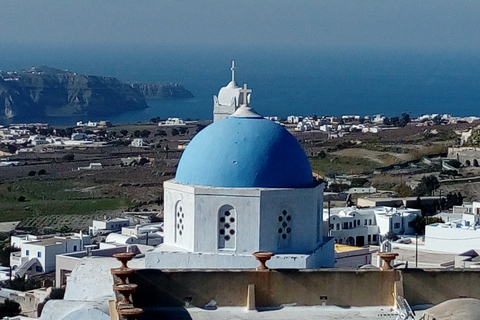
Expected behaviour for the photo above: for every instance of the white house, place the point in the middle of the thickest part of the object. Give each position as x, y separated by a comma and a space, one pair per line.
37, 254
294, 119
108, 225
304, 126
137, 142
398, 220
92, 166
353, 226
174, 122
362, 190
454, 236
38, 140
459, 234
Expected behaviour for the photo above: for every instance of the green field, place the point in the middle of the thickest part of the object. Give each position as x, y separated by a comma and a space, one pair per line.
333, 165
33, 198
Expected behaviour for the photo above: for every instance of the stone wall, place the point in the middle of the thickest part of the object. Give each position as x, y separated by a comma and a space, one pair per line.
157, 288
275, 288
438, 285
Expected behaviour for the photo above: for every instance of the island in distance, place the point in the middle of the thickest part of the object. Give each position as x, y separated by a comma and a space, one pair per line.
42, 92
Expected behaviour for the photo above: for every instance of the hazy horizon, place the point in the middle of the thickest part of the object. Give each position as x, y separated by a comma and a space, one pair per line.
429, 24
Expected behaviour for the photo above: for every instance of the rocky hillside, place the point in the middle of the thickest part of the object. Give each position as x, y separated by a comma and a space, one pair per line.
162, 90
48, 92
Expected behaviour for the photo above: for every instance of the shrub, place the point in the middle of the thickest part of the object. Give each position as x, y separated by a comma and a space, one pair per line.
9, 308
68, 157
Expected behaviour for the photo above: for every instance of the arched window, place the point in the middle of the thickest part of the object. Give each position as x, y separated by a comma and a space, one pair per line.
468, 163
227, 227
475, 162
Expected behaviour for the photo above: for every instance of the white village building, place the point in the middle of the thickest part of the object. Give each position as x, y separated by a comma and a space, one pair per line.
228, 99
359, 227
243, 184
460, 233
173, 122
108, 225
37, 254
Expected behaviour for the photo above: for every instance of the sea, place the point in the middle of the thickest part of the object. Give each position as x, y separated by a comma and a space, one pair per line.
284, 81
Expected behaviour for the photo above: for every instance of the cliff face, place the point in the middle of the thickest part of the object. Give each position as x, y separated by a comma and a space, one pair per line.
162, 90
50, 92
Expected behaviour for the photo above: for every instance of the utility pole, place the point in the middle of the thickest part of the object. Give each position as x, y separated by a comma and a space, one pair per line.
329, 229
416, 250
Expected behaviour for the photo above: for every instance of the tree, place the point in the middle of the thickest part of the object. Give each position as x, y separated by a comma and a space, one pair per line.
68, 157
404, 119
199, 128
403, 190
64, 230
55, 294
419, 225
5, 251
161, 133
175, 132
392, 236
427, 185
22, 284
68, 132
60, 133
11, 148
31, 173
145, 133
9, 308
124, 132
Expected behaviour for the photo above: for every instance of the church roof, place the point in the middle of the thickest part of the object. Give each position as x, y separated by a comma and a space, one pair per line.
245, 151
230, 92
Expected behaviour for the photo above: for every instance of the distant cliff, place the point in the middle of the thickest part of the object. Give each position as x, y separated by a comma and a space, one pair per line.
162, 90
48, 92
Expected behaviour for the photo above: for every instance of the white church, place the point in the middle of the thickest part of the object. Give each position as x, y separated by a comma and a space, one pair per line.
227, 101
243, 184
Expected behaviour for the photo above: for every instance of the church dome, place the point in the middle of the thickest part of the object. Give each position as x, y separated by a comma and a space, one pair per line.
245, 151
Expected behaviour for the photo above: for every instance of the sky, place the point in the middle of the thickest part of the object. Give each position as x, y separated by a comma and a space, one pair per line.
246, 23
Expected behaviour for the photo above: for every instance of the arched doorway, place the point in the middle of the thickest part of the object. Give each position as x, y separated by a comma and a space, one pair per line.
350, 241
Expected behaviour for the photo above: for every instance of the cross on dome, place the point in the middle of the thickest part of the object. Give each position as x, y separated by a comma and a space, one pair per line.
245, 111
233, 71
244, 94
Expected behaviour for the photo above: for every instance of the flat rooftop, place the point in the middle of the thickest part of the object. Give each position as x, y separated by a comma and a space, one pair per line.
281, 313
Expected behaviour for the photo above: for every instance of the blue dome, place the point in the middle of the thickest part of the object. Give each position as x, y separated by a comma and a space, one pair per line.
245, 153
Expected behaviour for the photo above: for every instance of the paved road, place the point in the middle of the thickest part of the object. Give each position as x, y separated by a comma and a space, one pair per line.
8, 226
